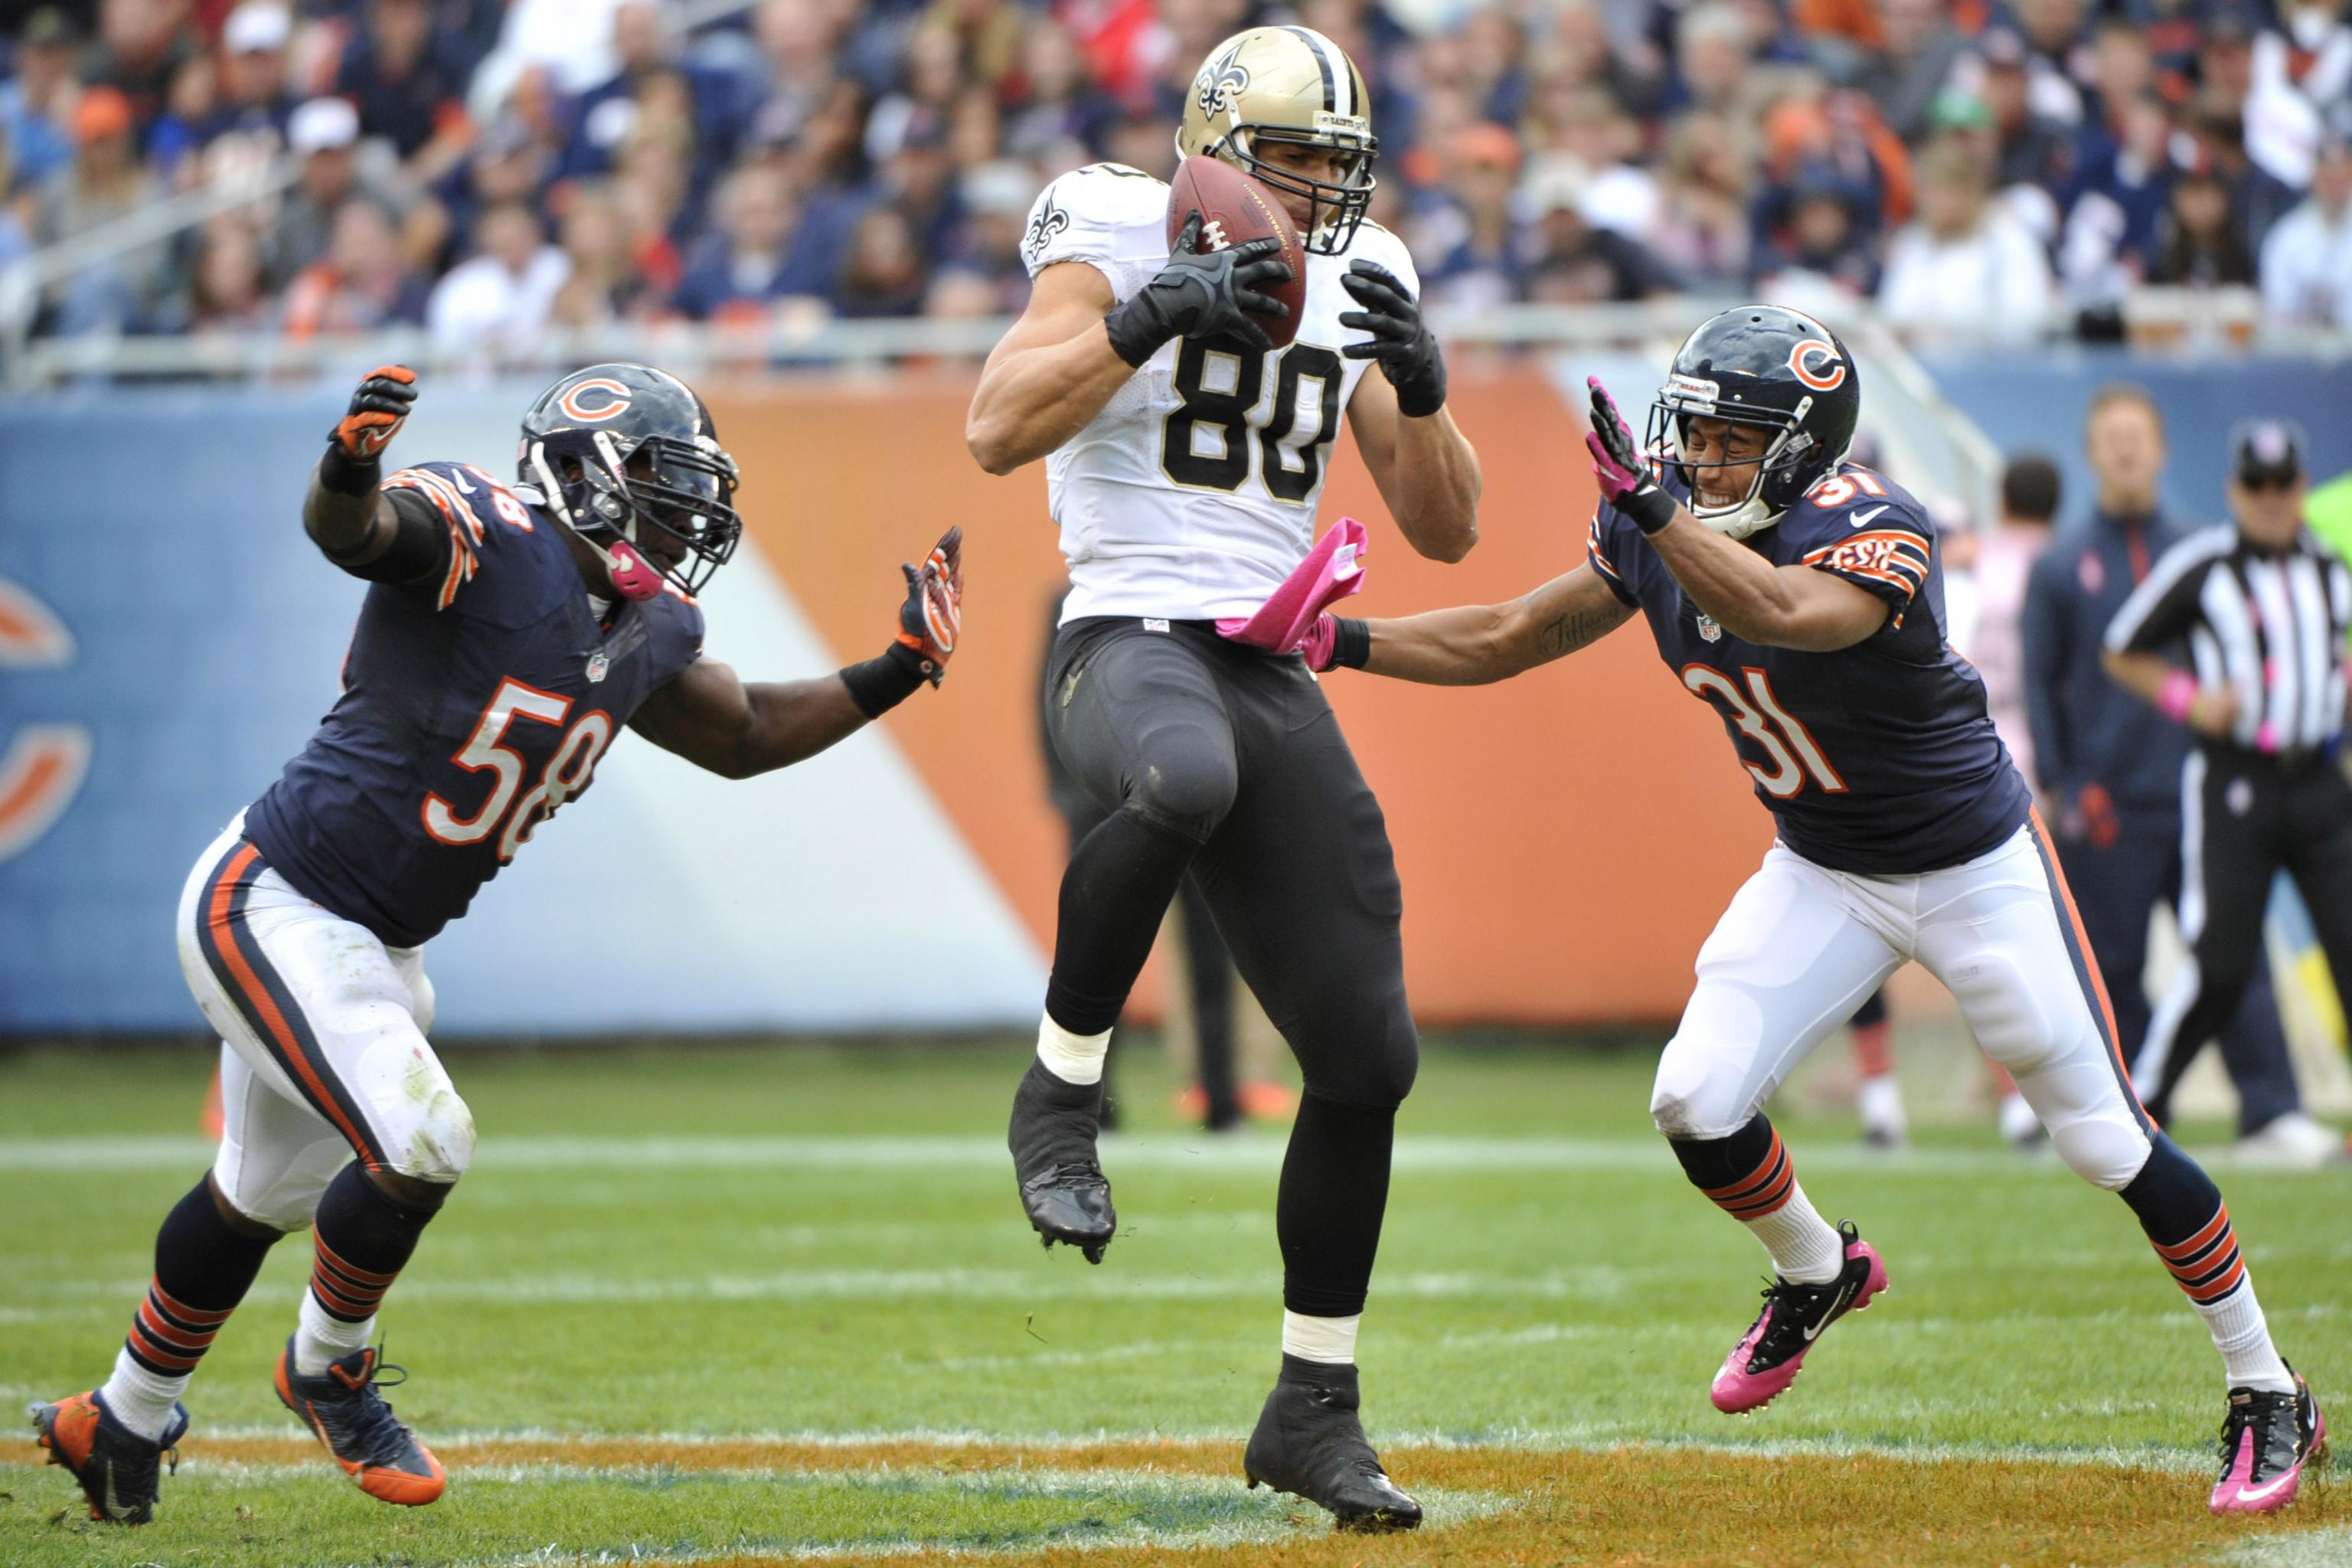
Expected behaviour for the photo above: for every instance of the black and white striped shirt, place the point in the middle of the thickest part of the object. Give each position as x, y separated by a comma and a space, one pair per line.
2270, 627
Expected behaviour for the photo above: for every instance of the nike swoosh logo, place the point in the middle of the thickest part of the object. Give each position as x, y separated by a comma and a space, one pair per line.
1837, 1305
114, 1509
2256, 1494
1863, 519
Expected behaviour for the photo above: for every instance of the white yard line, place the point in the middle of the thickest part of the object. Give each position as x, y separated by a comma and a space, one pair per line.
1154, 1151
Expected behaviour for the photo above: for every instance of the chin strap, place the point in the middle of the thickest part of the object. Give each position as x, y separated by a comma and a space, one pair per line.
633, 575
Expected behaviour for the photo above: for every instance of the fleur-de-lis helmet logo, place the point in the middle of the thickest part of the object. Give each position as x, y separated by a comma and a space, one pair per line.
1050, 221
1219, 80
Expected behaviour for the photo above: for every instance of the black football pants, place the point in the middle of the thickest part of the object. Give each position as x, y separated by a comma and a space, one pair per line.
2116, 887
1227, 761
2244, 818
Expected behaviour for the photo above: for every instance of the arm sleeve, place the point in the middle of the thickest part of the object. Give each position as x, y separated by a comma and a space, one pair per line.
2042, 627
419, 553
2163, 609
475, 514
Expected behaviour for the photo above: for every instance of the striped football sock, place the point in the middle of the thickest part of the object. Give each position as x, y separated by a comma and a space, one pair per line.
1751, 1176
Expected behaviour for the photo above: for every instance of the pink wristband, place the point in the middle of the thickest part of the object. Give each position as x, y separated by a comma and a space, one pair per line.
2176, 696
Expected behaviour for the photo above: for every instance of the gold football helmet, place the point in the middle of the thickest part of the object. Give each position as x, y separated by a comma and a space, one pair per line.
1287, 84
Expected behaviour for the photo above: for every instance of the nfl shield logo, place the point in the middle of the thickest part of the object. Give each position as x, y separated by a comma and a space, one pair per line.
1709, 630
597, 665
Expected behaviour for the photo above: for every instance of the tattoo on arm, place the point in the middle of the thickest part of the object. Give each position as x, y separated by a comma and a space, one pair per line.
1574, 629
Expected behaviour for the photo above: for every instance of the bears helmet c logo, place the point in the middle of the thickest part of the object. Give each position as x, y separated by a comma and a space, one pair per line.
580, 401
1801, 360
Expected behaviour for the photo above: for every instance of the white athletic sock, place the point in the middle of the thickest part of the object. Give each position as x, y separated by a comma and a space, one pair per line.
324, 1337
1880, 1101
1805, 1247
142, 1400
1331, 1341
2243, 1337
1073, 1058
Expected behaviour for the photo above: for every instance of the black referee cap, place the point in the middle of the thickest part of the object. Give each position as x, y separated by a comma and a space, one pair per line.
2266, 451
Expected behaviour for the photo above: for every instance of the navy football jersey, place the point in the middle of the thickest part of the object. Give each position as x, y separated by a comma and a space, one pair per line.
473, 706
1877, 759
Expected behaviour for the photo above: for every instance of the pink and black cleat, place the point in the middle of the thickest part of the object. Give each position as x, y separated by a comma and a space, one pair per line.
1769, 1355
2266, 1442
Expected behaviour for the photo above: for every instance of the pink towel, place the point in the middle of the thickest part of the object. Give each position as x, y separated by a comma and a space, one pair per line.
1332, 570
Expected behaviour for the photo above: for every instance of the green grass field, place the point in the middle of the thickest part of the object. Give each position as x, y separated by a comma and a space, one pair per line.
713, 1305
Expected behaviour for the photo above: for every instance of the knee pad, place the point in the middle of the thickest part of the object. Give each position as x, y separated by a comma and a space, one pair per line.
1691, 1098
2107, 1152
1183, 792
1356, 1050
439, 1145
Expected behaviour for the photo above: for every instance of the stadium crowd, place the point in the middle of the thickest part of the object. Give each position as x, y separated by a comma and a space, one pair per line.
1986, 172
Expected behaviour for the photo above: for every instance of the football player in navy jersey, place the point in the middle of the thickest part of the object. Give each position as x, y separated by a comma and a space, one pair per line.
1801, 598
507, 636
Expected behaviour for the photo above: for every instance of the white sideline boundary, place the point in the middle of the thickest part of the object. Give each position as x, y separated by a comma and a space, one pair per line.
1153, 1151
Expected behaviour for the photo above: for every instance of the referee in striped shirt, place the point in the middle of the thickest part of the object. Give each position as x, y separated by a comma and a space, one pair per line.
2260, 608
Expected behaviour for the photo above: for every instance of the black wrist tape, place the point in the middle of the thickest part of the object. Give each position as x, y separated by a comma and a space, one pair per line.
1650, 508
1351, 642
881, 684
1136, 332
345, 475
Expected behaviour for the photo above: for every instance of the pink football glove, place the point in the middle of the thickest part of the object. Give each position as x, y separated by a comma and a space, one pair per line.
1626, 481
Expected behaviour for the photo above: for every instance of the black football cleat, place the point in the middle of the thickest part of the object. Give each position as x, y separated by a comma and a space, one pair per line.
343, 1410
117, 1467
2267, 1441
1052, 1141
1308, 1443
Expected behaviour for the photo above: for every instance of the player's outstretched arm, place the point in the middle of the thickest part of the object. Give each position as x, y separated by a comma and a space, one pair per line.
717, 721
1425, 468
354, 524
1078, 342
1473, 645
1747, 596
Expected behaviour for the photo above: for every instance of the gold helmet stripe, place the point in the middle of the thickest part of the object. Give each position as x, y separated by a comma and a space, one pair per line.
1322, 48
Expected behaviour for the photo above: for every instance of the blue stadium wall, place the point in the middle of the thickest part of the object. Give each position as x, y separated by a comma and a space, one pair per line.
159, 528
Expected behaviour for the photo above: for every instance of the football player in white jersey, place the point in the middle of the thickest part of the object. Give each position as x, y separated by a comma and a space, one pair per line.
1184, 456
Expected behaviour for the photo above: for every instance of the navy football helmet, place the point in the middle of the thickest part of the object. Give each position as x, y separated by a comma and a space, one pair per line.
1767, 366
626, 456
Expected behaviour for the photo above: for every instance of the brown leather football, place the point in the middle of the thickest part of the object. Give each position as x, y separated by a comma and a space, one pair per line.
1235, 208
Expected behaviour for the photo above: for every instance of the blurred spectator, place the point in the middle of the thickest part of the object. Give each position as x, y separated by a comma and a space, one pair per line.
501, 299
403, 75
1567, 260
995, 198
2118, 202
2306, 263
225, 294
2258, 199
1712, 46
2057, 62
1819, 233
2299, 72
36, 102
1919, 48
104, 181
1620, 194
747, 262
507, 164
324, 134
253, 100
1468, 238
1967, 271
1702, 230
1057, 104
607, 283
2032, 151
711, 105
2123, 71
1582, 54
883, 274
361, 283
140, 46
2005, 557
2197, 244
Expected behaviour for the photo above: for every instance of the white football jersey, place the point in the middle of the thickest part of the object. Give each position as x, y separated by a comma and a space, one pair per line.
1191, 495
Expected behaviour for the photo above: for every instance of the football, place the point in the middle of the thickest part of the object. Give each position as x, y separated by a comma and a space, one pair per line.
1233, 209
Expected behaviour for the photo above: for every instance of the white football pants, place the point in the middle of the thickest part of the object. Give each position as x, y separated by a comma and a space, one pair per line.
1801, 945
324, 1053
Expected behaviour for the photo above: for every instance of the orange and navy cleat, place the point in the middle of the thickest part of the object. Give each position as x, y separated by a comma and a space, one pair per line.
116, 1466
2267, 1439
1771, 1352
342, 1408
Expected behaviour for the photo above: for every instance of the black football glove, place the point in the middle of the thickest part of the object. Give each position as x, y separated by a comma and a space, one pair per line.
1401, 340
1197, 296
379, 408
933, 613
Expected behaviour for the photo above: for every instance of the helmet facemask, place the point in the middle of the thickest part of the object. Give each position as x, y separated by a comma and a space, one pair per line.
1335, 208
1782, 468
679, 493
